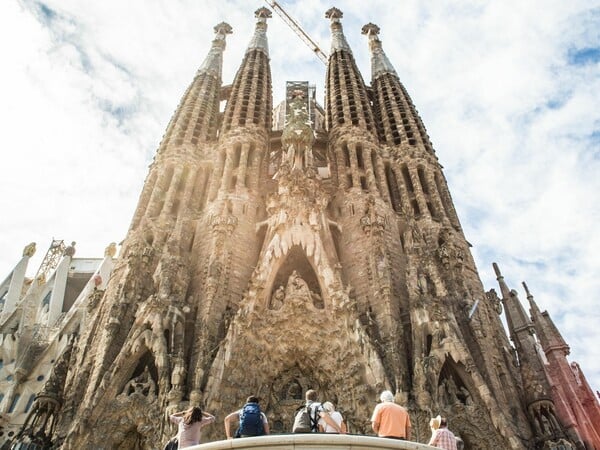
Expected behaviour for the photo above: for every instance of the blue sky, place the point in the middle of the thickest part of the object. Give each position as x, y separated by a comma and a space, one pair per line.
509, 93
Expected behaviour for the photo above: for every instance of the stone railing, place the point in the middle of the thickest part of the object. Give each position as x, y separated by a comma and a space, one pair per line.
323, 441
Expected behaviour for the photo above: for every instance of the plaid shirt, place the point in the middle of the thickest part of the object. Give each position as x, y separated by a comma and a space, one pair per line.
443, 438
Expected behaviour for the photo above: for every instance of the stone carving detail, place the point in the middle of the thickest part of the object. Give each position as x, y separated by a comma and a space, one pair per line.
111, 250
371, 222
143, 384
70, 250
29, 250
493, 298
278, 298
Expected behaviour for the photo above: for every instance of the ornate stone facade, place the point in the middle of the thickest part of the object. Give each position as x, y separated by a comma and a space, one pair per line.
266, 263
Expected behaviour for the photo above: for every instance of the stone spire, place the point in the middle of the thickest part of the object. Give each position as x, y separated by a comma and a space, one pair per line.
380, 64
250, 102
338, 40
538, 398
188, 139
401, 123
546, 330
213, 64
424, 193
521, 329
575, 402
259, 39
195, 120
347, 102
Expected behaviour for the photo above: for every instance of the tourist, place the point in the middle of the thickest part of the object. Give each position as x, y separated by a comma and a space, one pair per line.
336, 416
443, 438
390, 420
189, 423
308, 415
252, 421
434, 424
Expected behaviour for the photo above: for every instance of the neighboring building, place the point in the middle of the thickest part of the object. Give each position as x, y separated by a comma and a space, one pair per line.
39, 319
325, 253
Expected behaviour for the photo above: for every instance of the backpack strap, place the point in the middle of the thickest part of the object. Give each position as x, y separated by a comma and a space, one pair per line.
314, 419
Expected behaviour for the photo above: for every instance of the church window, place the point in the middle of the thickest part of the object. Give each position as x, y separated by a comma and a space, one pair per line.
392, 185
407, 179
249, 165
359, 156
363, 183
346, 154
441, 192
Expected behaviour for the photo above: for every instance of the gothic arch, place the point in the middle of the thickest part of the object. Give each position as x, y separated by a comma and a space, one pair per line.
454, 383
295, 260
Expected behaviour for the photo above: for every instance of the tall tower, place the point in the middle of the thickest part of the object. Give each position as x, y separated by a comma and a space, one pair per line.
270, 262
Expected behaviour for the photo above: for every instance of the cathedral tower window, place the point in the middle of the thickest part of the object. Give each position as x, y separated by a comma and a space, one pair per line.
392, 185
411, 190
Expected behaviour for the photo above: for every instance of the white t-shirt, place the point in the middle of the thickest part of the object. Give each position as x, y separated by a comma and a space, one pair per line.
337, 418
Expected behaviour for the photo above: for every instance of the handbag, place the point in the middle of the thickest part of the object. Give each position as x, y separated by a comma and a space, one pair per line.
173, 444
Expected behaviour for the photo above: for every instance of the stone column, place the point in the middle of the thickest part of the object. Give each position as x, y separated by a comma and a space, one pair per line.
402, 189
341, 167
16, 281
243, 166
369, 170
381, 177
419, 194
59, 286
173, 190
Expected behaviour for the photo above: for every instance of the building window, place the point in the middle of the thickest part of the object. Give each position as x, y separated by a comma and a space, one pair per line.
14, 403
30, 402
46, 300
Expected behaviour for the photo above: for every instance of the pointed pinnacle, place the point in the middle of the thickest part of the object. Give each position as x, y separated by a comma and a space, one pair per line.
263, 13
497, 270
333, 14
370, 29
223, 28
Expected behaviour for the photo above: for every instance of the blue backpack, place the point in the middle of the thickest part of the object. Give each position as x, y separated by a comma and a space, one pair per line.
251, 421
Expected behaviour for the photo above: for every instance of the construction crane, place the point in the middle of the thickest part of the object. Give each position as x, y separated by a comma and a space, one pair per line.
298, 30
51, 260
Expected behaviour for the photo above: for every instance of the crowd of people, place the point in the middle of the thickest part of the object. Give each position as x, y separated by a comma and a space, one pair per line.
389, 420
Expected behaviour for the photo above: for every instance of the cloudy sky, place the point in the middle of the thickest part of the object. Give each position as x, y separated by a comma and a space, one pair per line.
508, 90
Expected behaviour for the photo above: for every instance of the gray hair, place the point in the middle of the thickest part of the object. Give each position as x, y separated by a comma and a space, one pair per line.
386, 396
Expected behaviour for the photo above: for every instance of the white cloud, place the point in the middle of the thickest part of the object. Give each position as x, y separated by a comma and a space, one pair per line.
87, 93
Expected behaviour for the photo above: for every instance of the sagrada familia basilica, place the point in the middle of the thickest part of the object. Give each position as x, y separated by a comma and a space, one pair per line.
277, 250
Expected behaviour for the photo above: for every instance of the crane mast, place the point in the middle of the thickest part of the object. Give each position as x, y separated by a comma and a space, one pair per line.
298, 30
